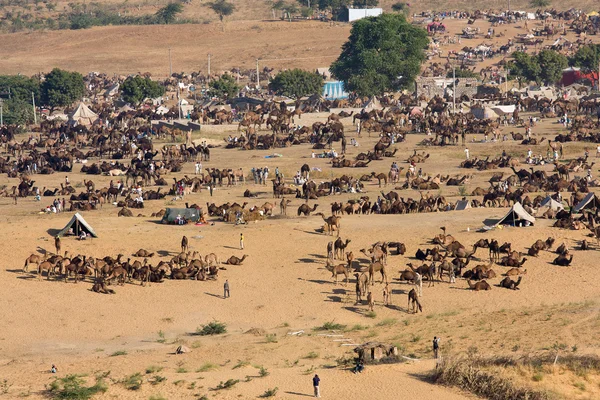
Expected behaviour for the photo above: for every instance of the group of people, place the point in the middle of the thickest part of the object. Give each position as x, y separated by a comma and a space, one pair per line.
260, 175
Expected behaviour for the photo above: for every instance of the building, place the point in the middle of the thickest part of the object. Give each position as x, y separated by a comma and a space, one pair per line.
437, 86
354, 14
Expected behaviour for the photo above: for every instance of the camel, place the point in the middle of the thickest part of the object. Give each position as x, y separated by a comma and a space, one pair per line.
339, 246
331, 222
330, 253
184, 244
362, 281
408, 275
283, 206
32, 259
125, 212
233, 260
211, 259
563, 261
50, 267
376, 267
57, 244
509, 283
425, 271
413, 302
336, 270
515, 271
305, 209
143, 253
481, 285
100, 287
350, 259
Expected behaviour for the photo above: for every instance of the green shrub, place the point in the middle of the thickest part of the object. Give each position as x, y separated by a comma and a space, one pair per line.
212, 328
226, 385
73, 387
133, 382
330, 326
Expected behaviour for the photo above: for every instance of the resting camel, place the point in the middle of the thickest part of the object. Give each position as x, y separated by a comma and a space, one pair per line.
100, 287
125, 212
184, 244
481, 285
509, 283
143, 253
331, 222
233, 260
32, 259
515, 271
305, 210
336, 270
413, 302
563, 261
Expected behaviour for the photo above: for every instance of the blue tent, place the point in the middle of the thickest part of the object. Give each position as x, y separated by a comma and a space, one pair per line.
334, 90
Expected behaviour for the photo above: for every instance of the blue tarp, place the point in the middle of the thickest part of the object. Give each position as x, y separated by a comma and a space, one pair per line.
334, 90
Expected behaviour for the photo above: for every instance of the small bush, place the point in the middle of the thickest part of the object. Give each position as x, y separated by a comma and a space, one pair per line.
73, 387
269, 393
540, 3
119, 353
462, 190
330, 326
133, 382
181, 370
537, 377
207, 367
241, 364
312, 355
271, 338
156, 379
371, 314
387, 322
153, 368
580, 386
226, 385
157, 397
262, 372
415, 338
212, 328
161, 337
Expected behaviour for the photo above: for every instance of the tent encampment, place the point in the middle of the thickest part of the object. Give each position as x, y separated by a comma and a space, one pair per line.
552, 204
75, 226
83, 115
517, 216
462, 205
188, 214
484, 113
589, 201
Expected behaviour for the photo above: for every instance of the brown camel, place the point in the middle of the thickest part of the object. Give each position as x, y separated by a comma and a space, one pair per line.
481, 285
336, 270
339, 246
233, 260
125, 212
283, 206
515, 271
509, 283
305, 210
49, 266
376, 267
331, 222
211, 259
184, 244
32, 259
413, 302
100, 287
57, 244
143, 253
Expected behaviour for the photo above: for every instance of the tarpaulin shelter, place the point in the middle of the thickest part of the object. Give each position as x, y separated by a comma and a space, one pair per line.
75, 226
189, 214
517, 216
589, 201
462, 205
484, 113
549, 202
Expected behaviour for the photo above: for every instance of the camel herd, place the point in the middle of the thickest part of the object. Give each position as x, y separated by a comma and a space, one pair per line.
105, 271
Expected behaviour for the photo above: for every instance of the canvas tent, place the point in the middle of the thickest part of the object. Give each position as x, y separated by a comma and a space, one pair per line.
552, 204
484, 113
83, 115
373, 103
517, 216
462, 205
590, 201
189, 214
75, 226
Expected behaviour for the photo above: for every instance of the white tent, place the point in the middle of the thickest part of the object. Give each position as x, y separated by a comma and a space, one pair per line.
517, 216
75, 226
83, 115
373, 103
590, 201
484, 113
549, 202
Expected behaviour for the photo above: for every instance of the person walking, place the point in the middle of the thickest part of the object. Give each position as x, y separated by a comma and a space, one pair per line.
241, 241
226, 289
316, 380
436, 346
210, 188
467, 153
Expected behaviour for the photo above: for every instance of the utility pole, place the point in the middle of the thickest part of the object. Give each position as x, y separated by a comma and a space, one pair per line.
170, 64
506, 72
257, 75
209, 66
454, 89
34, 114
1, 112
508, 5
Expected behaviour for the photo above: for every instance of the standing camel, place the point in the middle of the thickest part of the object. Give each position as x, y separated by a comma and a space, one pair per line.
413, 302
184, 244
283, 206
331, 222
57, 244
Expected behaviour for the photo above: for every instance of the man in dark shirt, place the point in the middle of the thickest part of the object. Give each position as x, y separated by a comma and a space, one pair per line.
316, 381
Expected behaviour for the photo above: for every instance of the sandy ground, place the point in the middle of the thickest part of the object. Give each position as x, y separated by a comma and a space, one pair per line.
282, 287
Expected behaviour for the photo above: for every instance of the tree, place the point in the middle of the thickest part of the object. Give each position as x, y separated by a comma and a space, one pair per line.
296, 83
383, 53
551, 65
225, 86
61, 88
524, 67
222, 8
400, 7
16, 91
586, 57
135, 89
168, 13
